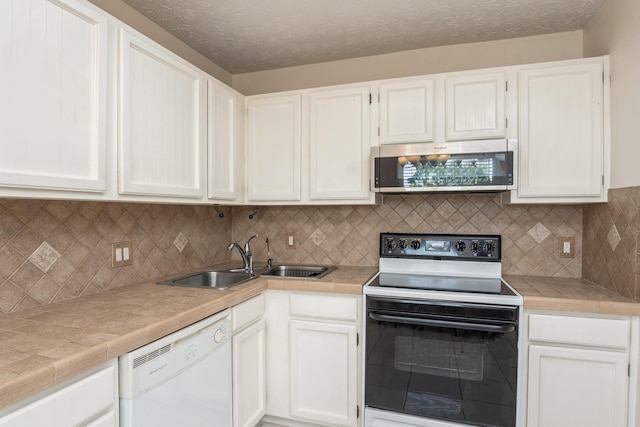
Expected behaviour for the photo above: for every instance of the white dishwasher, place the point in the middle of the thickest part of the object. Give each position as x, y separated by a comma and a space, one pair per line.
183, 379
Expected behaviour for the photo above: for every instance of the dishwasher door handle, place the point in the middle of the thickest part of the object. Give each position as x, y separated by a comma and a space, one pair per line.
482, 327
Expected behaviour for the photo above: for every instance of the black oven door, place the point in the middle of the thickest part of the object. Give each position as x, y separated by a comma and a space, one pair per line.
442, 360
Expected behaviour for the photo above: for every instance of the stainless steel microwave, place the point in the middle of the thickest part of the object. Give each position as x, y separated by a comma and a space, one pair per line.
482, 166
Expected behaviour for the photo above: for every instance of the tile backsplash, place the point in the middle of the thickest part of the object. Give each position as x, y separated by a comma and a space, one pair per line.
349, 235
612, 247
56, 250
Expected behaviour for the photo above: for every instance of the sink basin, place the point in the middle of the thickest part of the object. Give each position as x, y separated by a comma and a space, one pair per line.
209, 279
299, 271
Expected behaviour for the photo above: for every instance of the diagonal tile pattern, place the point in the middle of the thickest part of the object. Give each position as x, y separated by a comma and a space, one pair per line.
56, 250
351, 233
612, 242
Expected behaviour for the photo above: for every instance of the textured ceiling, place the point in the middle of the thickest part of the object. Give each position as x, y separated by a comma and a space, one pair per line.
252, 35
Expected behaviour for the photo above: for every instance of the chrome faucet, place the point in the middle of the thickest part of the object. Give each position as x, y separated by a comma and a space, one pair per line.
247, 255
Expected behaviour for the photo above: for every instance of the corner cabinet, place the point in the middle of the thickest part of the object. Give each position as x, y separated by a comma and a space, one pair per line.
161, 121
313, 353
578, 370
563, 108
225, 155
53, 99
309, 147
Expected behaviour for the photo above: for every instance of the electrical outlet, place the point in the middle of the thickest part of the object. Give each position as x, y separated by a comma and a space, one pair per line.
567, 247
121, 254
291, 240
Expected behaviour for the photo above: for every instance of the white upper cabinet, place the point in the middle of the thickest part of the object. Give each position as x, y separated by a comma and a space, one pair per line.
224, 133
273, 148
53, 95
161, 119
561, 114
475, 106
407, 111
339, 144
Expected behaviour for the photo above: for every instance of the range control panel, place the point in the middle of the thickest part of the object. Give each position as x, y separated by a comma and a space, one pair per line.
441, 246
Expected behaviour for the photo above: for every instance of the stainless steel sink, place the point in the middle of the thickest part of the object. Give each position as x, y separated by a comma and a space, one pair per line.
209, 279
299, 271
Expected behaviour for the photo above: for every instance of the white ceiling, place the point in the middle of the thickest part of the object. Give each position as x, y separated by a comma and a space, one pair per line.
252, 35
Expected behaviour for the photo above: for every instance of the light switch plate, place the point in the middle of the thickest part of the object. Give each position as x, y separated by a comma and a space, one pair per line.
121, 254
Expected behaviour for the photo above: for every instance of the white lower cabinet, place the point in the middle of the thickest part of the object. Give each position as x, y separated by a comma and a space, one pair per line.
323, 372
578, 371
249, 384
313, 357
89, 400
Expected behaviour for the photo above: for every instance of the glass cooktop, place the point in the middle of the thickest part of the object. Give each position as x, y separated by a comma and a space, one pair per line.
493, 286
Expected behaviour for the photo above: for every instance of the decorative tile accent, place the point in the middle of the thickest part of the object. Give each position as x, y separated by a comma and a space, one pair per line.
318, 237
70, 243
614, 238
180, 241
44, 257
539, 232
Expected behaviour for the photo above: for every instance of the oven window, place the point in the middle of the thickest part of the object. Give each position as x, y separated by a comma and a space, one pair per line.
442, 372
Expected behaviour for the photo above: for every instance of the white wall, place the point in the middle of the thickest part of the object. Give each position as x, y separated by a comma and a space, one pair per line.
550, 47
615, 30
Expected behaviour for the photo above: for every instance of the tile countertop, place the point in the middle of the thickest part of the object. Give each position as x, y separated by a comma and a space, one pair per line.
573, 295
46, 345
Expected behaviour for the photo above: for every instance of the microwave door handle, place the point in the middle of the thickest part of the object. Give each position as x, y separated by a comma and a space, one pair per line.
442, 323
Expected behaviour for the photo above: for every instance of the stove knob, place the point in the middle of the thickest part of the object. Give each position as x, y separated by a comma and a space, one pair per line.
402, 244
461, 246
415, 244
390, 245
489, 246
475, 247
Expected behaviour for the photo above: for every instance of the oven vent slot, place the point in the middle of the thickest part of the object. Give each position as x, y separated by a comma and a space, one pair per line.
141, 360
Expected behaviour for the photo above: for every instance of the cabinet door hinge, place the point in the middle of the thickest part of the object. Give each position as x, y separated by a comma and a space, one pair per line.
506, 122
357, 334
378, 98
506, 86
378, 131
629, 370
357, 411
602, 179
370, 99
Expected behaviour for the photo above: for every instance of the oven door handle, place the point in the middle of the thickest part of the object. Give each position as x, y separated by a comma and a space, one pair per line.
442, 323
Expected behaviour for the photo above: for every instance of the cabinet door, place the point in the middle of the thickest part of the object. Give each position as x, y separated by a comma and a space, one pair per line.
570, 387
407, 111
475, 106
223, 142
273, 148
249, 375
53, 95
161, 121
561, 130
323, 372
339, 144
